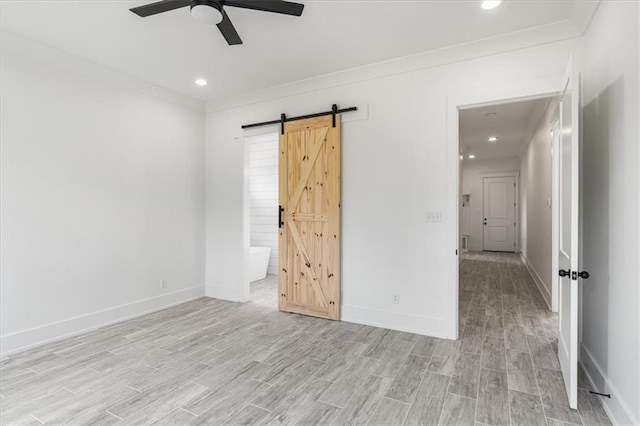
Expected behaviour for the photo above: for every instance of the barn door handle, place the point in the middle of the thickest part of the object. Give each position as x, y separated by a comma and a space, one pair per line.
280, 211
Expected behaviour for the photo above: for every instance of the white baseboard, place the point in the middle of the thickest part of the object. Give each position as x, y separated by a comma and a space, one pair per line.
26, 339
232, 294
546, 294
616, 408
396, 321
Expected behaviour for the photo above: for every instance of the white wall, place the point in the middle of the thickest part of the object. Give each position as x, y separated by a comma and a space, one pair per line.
102, 199
263, 194
394, 170
472, 184
535, 192
611, 321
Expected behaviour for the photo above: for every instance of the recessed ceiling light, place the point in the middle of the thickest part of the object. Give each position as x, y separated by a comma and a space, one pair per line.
462, 157
493, 139
201, 82
472, 156
491, 4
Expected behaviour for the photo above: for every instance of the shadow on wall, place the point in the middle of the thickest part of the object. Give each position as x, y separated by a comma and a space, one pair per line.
601, 130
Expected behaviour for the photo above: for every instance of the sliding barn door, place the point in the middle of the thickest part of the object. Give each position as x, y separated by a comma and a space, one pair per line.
309, 241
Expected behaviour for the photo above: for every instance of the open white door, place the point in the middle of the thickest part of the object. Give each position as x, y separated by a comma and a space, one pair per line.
569, 180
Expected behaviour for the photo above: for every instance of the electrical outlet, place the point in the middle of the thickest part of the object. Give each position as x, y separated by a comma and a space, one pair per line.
164, 284
396, 299
432, 217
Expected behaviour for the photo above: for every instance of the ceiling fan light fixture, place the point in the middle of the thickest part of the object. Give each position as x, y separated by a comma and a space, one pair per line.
208, 12
491, 4
212, 12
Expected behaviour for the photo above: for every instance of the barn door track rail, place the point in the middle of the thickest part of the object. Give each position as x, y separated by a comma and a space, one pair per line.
283, 118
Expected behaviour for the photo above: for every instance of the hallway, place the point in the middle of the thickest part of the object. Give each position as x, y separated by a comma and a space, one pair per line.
507, 360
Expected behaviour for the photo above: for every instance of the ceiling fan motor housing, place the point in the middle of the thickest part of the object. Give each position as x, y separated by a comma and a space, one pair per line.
212, 11
207, 11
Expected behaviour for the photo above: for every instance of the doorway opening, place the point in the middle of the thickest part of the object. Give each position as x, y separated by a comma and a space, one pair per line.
261, 163
506, 188
565, 247
506, 220
292, 217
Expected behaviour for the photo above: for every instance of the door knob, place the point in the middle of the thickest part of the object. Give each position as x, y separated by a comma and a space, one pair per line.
564, 273
484, 221
584, 275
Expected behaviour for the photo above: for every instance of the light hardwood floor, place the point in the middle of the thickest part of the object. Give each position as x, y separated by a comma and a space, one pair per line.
215, 362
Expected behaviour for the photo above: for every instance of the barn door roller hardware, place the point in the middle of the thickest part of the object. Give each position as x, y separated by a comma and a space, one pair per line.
283, 118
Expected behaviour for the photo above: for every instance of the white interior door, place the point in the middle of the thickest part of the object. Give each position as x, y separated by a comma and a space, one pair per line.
499, 223
569, 179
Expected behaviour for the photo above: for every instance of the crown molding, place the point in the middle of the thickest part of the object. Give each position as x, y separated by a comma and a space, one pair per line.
537, 36
13, 43
582, 13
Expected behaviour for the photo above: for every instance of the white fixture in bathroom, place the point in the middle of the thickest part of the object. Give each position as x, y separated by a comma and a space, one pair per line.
258, 262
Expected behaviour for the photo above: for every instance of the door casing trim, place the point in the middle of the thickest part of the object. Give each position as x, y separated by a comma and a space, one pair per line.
463, 98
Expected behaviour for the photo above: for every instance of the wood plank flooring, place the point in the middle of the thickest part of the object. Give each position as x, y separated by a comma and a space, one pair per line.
215, 362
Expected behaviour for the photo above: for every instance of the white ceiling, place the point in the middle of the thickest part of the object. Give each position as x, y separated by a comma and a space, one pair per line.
172, 49
512, 124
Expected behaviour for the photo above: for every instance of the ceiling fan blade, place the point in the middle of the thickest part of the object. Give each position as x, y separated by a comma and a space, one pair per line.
275, 6
228, 30
159, 7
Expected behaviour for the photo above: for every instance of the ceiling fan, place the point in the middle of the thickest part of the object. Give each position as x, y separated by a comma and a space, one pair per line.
212, 11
